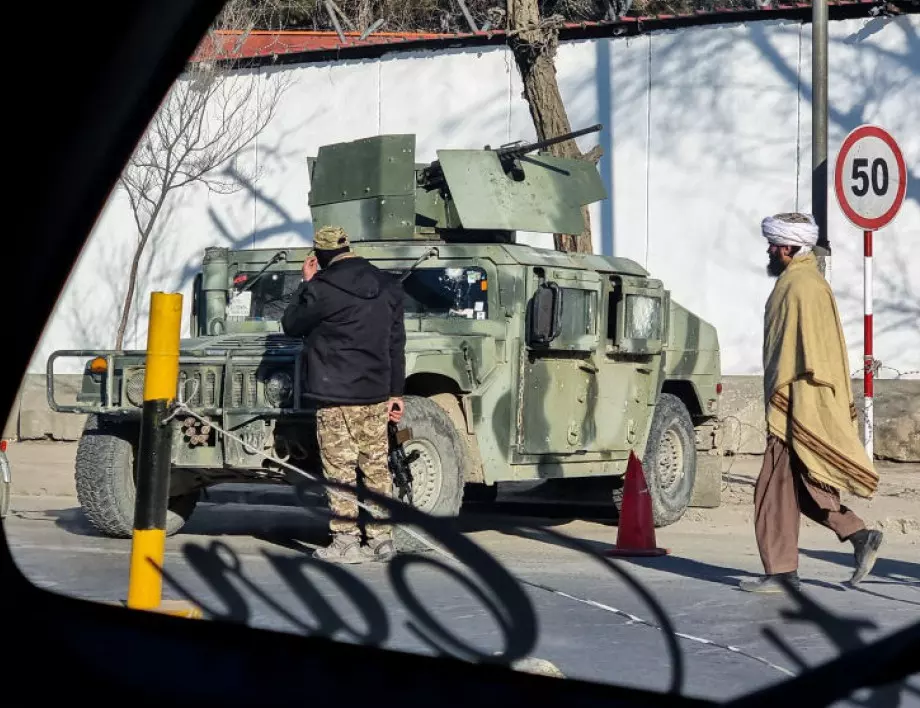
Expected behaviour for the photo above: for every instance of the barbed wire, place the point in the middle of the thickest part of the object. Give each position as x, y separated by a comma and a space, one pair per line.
181, 407
450, 16
877, 366
738, 438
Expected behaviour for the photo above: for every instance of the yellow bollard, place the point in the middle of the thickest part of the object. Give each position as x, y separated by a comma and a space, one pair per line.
161, 381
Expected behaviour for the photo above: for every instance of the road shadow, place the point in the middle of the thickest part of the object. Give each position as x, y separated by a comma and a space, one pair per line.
292, 523
676, 565
70, 520
885, 573
286, 524
548, 503
266, 522
884, 567
866, 588
721, 575
502, 516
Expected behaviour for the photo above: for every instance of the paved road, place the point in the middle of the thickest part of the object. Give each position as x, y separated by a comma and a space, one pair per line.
405, 606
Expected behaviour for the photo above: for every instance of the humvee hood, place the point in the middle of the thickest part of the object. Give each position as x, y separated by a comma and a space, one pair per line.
241, 340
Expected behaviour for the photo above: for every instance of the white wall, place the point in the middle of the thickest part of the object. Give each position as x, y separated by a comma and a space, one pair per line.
707, 130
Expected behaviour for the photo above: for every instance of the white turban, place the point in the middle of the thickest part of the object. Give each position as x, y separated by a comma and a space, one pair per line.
785, 233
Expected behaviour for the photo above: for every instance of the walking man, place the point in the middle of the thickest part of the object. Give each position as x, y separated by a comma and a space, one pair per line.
350, 315
813, 447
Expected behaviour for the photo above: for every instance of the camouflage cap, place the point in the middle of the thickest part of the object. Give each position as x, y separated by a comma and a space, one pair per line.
329, 238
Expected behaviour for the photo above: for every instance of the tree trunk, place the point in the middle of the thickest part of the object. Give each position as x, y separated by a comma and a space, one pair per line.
534, 48
135, 266
129, 296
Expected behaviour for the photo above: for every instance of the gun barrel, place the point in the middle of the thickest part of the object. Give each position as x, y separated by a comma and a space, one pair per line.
432, 176
540, 144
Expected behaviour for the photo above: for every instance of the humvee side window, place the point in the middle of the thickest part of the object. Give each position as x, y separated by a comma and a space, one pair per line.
636, 317
447, 292
578, 313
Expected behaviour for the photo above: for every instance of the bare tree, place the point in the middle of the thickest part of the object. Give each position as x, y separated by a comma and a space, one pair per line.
533, 42
211, 115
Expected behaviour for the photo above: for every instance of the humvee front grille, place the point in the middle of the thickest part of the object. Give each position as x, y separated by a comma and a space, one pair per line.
209, 389
236, 390
198, 389
243, 389
190, 390
251, 390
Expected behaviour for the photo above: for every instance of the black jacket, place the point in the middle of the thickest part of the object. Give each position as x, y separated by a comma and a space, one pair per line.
351, 318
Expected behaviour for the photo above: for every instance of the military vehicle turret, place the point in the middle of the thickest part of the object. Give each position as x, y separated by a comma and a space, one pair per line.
522, 363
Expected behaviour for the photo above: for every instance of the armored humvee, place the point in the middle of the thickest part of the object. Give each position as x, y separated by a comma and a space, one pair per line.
522, 363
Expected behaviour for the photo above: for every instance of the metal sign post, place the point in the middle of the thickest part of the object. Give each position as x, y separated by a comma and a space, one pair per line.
819, 132
868, 353
870, 180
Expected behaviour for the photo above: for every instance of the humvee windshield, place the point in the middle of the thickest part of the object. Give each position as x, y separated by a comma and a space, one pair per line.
270, 294
430, 292
446, 292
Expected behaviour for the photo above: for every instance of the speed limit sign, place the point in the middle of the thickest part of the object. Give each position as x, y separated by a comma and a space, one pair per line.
870, 178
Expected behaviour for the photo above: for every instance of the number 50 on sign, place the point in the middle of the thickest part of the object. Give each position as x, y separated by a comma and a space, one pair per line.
870, 178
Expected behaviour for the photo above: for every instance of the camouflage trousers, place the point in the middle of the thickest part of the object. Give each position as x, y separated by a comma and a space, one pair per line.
353, 437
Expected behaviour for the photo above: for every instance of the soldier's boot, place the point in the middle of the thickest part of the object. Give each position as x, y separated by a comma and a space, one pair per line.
770, 584
345, 548
865, 550
380, 548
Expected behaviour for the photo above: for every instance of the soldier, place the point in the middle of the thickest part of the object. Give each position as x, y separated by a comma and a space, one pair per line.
350, 315
813, 447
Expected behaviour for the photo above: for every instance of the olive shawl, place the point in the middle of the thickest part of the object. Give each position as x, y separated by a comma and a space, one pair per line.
807, 385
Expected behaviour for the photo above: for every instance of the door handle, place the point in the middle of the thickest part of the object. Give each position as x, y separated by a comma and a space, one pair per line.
589, 367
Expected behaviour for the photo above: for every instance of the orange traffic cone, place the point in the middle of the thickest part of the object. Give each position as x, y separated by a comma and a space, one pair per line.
636, 529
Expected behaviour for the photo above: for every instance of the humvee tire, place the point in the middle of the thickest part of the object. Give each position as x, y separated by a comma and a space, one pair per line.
669, 462
104, 473
437, 484
475, 489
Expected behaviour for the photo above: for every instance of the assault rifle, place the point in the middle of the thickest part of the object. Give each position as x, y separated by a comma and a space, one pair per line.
399, 461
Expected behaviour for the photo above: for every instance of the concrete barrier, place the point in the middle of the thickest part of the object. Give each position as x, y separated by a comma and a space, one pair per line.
33, 419
897, 415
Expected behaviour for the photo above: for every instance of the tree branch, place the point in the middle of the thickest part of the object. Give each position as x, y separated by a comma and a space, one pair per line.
594, 155
208, 118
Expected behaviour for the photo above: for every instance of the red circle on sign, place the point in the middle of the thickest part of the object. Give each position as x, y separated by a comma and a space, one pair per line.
870, 131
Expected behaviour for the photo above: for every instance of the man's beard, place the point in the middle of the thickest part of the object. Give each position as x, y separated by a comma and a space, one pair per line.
776, 266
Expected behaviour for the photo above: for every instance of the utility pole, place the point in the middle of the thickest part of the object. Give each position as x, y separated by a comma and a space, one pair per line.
819, 132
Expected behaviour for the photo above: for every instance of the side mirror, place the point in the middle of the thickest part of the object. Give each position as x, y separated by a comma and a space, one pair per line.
546, 314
